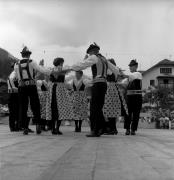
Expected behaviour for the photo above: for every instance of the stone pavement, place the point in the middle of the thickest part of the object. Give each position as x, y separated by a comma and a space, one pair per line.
147, 156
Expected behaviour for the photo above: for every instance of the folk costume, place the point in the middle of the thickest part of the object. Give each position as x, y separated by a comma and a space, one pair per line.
25, 71
58, 104
134, 100
99, 66
80, 103
114, 103
13, 103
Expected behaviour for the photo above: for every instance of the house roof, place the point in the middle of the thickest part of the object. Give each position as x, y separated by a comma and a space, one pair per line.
164, 62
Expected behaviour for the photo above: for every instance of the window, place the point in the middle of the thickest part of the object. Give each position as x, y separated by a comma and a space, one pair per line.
152, 82
166, 81
166, 70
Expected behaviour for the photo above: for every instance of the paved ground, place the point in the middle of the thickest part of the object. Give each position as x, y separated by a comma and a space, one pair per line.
147, 156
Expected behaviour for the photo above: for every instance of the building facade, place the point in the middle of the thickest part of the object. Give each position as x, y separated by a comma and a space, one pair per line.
159, 75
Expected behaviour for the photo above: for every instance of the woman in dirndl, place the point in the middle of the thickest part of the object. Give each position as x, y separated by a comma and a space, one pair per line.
80, 103
58, 104
114, 103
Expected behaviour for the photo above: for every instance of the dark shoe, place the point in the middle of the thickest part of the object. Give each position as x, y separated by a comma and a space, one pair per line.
80, 130
12, 129
116, 132
76, 129
30, 130
101, 132
44, 128
25, 132
111, 133
54, 132
38, 129
93, 135
59, 133
127, 132
133, 133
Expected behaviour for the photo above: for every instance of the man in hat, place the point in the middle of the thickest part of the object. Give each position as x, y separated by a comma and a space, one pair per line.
134, 98
25, 71
13, 104
99, 66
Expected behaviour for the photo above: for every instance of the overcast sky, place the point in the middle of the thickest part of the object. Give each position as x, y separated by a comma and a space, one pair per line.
124, 29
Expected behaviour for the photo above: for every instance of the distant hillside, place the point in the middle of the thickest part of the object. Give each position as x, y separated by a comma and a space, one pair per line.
5, 63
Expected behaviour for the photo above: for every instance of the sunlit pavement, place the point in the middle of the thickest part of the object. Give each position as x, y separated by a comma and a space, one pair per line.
147, 156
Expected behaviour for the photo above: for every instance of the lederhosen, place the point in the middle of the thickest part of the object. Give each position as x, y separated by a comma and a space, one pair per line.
99, 88
80, 102
13, 105
134, 103
27, 93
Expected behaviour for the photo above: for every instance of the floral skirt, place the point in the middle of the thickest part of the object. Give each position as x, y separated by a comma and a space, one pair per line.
80, 105
64, 103
114, 102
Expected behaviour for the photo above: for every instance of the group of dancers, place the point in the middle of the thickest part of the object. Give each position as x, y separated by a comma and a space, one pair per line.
53, 100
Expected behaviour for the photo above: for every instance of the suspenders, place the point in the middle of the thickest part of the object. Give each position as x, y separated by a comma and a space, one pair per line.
29, 80
102, 77
24, 68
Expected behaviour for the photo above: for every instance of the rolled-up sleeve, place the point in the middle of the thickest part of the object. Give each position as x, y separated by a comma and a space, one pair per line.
91, 60
12, 77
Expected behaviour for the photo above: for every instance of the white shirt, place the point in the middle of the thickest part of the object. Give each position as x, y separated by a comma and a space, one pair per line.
132, 76
32, 66
10, 81
90, 61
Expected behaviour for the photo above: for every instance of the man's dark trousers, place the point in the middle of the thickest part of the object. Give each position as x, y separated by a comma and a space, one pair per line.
28, 94
96, 107
134, 103
13, 105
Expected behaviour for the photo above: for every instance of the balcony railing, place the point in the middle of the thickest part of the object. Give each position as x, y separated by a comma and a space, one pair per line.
168, 86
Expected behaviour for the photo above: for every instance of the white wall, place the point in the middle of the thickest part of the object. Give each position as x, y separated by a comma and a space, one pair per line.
152, 75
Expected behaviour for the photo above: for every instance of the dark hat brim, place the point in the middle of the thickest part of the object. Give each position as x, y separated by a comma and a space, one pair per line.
26, 52
92, 47
133, 64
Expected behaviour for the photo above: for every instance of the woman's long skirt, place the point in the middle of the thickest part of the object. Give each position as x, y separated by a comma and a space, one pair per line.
114, 101
80, 105
64, 104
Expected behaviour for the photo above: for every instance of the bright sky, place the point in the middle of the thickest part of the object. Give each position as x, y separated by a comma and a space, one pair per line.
124, 29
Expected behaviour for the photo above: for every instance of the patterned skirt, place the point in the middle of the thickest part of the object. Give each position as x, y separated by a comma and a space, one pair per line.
64, 103
114, 101
80, 105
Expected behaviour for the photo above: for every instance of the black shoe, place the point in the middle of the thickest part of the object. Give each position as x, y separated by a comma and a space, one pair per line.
38, 129
43, 128
30, 130
111, 133
54, 132
59, 133
76, 129
80, 130
25, 132
12, 129
101, 132
93, 135
133, 133
127, 132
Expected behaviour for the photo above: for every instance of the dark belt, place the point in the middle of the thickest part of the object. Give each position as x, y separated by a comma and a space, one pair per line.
99, 79
27, 83
134, 92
